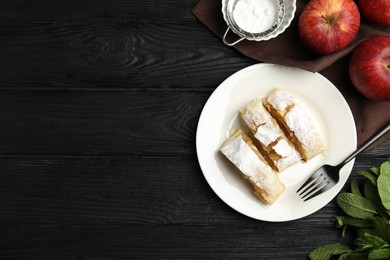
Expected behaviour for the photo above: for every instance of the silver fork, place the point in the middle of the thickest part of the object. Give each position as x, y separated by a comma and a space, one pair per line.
327, 176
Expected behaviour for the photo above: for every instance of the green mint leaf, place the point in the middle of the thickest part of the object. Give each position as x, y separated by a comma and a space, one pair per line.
375, 170
356, 206
351, 221
355, 188
383, 253
339, 221
368, 211
358, 222
382, 229
354, 256
385, 167
384, 184
367, 241
371, 193
325, 252
368, 175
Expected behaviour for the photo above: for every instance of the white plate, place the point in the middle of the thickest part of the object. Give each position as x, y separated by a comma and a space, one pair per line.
219, 115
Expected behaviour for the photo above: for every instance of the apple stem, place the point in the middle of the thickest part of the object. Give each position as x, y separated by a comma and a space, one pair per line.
328, 21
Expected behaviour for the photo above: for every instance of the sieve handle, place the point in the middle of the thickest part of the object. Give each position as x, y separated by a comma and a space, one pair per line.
233, 43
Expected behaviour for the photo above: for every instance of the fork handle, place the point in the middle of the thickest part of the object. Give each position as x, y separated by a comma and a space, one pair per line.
372, 140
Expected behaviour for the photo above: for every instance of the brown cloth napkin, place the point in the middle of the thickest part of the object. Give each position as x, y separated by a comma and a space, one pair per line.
288, 50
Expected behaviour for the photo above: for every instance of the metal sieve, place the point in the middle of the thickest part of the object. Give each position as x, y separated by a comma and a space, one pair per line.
232, 25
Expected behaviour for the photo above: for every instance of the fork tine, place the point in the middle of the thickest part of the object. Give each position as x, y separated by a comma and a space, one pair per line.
314, 184
309, 182
307, 185
317, 191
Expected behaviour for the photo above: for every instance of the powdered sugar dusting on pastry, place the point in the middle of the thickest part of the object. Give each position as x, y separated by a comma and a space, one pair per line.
280, 100
298, 122
265, 129
254, 114
283, 148
289, 160
267, 133
303, 141
242, 156
257, 171
304, 129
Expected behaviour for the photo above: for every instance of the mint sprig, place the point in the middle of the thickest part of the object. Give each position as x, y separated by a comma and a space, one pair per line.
368, 210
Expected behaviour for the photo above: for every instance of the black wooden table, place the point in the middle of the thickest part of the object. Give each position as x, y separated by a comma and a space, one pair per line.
99, 106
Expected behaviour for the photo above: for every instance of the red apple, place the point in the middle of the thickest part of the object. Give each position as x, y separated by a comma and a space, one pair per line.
369, 68
327, 26
377, 11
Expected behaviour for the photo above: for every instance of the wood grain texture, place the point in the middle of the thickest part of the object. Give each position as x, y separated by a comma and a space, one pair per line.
130, 123
95, 190
103, 207
134, 242
99, 123
110, 55
58, 10
99, 103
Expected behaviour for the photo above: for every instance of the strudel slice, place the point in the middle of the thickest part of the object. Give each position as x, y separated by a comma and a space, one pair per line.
240, 150
268, 137
301, 129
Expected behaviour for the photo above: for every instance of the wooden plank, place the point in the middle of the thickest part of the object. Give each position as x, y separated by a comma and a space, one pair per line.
270, 241
90, 190
113, 54
99, 102
99, 123
158, 123
58, 10
105, 190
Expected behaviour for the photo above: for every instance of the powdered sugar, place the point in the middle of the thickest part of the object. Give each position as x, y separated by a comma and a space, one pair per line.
255, 115
298, 122
280, 100
304, 129
246, 160
267, 133
255, 16
241, 155
283, 148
